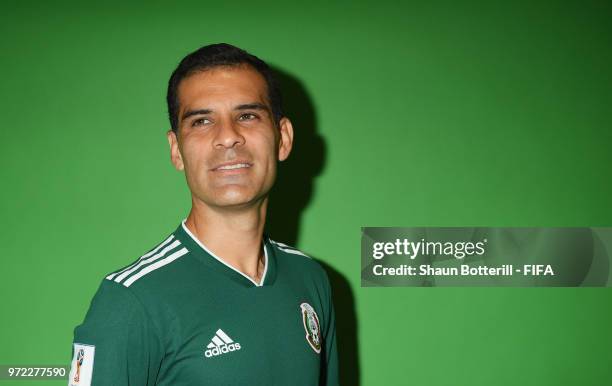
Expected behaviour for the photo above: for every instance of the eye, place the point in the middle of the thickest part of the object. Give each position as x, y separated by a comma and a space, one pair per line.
200, 121
247, 117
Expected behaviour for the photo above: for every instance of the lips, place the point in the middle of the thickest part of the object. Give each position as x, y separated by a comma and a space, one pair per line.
234, 165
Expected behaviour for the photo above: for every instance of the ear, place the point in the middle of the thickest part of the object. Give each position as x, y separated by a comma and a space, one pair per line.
175, 152
286, 138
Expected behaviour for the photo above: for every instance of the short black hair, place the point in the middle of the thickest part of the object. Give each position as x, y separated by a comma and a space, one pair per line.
218, 55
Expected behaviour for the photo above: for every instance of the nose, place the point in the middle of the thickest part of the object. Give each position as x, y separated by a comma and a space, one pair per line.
228, 135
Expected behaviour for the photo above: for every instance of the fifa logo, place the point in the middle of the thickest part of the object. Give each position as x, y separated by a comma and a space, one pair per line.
79, 363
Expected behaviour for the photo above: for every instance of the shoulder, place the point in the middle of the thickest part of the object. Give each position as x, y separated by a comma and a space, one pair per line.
156, 260
282, 247
299, 260
297, 256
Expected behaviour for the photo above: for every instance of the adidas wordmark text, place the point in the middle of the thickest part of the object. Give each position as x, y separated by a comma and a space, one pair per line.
220, 344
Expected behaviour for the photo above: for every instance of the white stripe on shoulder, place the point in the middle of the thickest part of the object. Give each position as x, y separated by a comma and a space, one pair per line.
154, 250
288, 249
149, 259
282, 245
154, 266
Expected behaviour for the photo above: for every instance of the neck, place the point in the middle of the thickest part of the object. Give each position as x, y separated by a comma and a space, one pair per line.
234, 235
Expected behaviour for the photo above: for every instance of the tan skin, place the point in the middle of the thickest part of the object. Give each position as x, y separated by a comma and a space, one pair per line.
228, 146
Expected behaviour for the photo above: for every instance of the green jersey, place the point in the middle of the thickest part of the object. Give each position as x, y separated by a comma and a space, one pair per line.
179, 315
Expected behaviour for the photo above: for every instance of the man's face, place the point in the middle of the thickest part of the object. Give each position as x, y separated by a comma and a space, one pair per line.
228, 143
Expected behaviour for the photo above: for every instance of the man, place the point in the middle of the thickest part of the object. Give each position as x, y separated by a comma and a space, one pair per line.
217, 302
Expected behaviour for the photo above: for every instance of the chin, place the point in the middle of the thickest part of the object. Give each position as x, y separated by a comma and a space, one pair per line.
234, 198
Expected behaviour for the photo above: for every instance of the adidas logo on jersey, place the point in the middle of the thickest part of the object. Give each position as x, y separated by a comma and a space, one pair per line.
220, 344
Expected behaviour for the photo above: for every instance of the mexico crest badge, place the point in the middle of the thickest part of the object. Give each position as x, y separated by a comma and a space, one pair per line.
312, 326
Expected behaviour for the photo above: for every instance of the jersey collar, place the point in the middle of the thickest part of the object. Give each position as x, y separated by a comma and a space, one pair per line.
205, 255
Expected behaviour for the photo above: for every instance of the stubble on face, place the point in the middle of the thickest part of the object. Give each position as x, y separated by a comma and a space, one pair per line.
227, 137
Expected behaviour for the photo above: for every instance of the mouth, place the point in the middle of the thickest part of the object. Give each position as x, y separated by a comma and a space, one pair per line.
236, 165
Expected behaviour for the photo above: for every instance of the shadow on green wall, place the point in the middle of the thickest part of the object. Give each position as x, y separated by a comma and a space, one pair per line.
290, 196
346, 326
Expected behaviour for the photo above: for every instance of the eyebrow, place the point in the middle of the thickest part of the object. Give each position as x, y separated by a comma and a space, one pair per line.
245, 106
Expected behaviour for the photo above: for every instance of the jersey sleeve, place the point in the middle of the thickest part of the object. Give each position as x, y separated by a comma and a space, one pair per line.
116, 344
329, 373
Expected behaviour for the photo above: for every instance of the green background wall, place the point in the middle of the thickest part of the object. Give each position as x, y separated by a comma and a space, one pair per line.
420, 114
